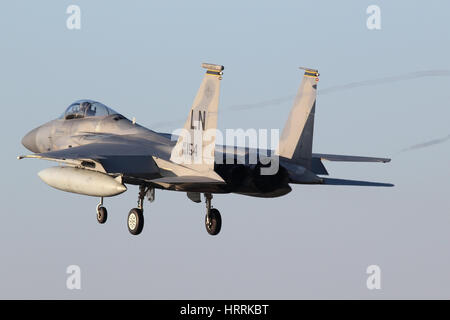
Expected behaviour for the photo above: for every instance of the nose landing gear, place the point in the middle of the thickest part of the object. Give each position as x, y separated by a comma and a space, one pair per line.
102, 213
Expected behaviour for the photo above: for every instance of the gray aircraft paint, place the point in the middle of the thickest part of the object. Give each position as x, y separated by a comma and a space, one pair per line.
118, 147
202, 117
297, 136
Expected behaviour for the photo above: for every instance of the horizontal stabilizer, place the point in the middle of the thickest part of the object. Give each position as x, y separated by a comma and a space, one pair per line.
340, 157
343, 182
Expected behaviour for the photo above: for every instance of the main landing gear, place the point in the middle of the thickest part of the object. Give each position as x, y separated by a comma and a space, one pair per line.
135, 221
213, 220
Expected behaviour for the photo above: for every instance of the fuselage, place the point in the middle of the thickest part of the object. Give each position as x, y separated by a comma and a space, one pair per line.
60, 134
63, 133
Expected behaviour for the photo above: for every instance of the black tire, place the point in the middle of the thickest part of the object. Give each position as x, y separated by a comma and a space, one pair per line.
135, 221
215, 222
102, 215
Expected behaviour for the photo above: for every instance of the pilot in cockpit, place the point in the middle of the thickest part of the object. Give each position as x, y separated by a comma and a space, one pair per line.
86, 109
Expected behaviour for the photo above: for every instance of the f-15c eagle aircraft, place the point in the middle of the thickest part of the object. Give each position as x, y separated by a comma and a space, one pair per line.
99, 151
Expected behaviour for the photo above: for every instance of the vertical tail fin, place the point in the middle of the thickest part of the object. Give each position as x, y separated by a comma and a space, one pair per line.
196, 143
297, 135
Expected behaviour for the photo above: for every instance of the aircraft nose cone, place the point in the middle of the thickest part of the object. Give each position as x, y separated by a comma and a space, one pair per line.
29, 141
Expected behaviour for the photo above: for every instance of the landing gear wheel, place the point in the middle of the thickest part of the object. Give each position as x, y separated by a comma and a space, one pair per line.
135, 221
213, 223
102, 215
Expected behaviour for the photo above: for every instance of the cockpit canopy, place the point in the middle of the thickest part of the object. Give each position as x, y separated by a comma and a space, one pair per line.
87, 108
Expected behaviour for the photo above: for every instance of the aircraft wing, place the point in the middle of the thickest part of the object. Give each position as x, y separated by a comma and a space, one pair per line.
340, 157
130, 156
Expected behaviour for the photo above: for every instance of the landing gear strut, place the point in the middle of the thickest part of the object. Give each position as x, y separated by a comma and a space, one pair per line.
135, 219
102, 213
213, 220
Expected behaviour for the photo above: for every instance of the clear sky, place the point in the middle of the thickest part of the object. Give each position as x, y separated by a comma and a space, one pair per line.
143, 58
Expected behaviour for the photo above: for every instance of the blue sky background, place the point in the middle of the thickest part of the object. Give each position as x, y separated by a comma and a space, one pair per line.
143, 58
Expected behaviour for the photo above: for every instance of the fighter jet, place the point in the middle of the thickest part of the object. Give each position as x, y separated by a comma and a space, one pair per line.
100, 151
